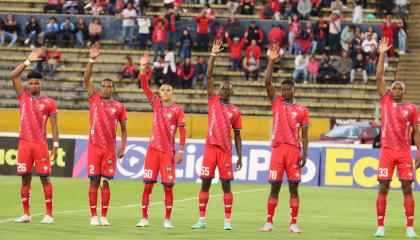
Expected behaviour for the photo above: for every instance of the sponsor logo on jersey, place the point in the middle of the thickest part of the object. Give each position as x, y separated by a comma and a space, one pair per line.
45, 168
109, 162
169, 168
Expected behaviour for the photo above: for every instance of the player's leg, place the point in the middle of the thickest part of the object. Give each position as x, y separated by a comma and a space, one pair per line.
94, 173
294, 206
48, 195
167, 173
224, 164
24, 169
228, 203
108, 167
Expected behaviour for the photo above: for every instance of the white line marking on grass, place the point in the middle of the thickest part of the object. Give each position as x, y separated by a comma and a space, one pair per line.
138, 205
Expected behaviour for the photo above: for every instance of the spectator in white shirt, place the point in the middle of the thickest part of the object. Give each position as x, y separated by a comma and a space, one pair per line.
368, 42
170, 68
301, 67
357, 13
128, 16
144, 30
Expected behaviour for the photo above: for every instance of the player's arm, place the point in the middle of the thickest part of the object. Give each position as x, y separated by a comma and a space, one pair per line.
380, 81
216, 49
123, 125
305, 143
35, 55
274, 54
94, 53
238, 146
55, 135
144, 61
182, 138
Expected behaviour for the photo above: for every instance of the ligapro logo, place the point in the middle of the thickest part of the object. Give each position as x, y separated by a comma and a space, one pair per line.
131, 165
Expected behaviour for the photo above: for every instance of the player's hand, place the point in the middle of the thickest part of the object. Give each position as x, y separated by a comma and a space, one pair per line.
302, 161
417, 162
275, 51
95, 51
383, 45
121, 152
36, 55
54, 153
179, 157
144, 59
217, 47
238, 164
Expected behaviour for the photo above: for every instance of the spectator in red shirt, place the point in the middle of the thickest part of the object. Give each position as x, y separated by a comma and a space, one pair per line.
186, 74
217, 31
251, 66
53, 60
388, 31
294, 31
159, 36
313, 69
235, 50
276, 34
247, 7
129, 69
203, 22
53, 5
254, 48
316, 7
255, 33
321, 35
172, 18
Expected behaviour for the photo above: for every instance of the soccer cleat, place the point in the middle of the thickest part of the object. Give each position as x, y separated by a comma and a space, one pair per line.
380, 232
144, 222
47, 220
268, 227
167, 224
410, 233
24, 219
94, 221
104, 221
201, 224
294, 229
227, 225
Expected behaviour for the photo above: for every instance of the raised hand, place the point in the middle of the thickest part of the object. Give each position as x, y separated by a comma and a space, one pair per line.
36, 55
274, 51
95, 51
217, 47
144, 59
383, 45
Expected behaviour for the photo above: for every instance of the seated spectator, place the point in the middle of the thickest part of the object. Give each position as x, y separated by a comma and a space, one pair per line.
371, 31
233, 6
128, 15
53, 60
294, 31
10, 31
326, 69
306, 42
334, 33
359, 67
159, 36
158, 66
129, 69
185, 45
316, 7
144, 30
200, 73
389, 29
247, 7
368, 43
337, 6
82, 32
402, 36
276, 34
32, 30
271, 10
304, 8
72, 6
255, 33
254, 48
235, 47
357, 49
233, 27
372, 60
186, 74
358, 36
313, 69
53, 5
301, 68
321, 35
347, 37
343, 67
401, 8
203, 22
357, 13
251, 66
95, 30
287, 9
67, 30
51, 32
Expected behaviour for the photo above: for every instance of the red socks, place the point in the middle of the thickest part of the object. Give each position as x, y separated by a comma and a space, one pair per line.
169, 200
381, 208
48, 194
203, 199
271, 207
25, 194
147, 195
409, 209
105, 195
93, 197
294, 209
227, 200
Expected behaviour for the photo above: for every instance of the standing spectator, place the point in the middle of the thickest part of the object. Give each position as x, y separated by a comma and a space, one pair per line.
307, 40
158, 67
294, 31
169, 69
358, 36
276, 34
304, 8
144, 30
129, 69
67, 30
321, 35
185, 45
217, 31
357, 13
337, 6
275, 6
251, 66
313, 69
82, 32
316, 7
74, 5
232, 6
326, 69
287, 10
200, 73
51, 31
402, 36
347, 37
10, 31
159, 36
271, 10
235, 50
128, 16
384, 7
255, 33
372, 60
53, 60
388, 31
95, 30
233, 27
209, 11
334, 33
368, 43
247, 7
343, 67
301, 68
359, 67
254, 48
187, 74
53, 5
401, 8
171, 28
32, 30
203, 22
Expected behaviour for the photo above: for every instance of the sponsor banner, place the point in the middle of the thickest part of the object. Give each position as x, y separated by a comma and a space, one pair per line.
354, 167
61, 167
255, 159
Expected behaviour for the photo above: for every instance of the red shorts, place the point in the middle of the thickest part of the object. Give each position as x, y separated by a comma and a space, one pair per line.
390, 158
157, 161
30, 152
285, 157
101, 162
215, 156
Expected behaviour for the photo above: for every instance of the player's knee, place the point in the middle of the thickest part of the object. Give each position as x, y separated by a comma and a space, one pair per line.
105, 182
205, 185
406, 187
226, 187
45, 180
293, 189
384, 187
95, 182
26, 180
275, 189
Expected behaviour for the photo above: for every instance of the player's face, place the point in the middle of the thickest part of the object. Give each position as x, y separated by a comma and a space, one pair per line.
34, 86
106, 89
287, 91
165, 93
397, 91
226, 91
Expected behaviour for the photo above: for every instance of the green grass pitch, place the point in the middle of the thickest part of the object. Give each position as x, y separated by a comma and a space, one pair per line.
325, 213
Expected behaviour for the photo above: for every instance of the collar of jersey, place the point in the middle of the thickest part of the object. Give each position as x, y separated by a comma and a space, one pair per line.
104, 100
36, 96
225, 104
163, 105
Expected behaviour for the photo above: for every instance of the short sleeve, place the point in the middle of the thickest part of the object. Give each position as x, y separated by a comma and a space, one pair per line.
237, 121
275, 100
23, 94
385, 97
181, 118
305, 118
123, 114
213, 98
414, 116
53, 109
94, 98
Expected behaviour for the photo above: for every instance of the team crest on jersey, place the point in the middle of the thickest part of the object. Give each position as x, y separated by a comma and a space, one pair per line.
410, 174
169, 116
172, 127
113, 110
169, 168
294, 114
230, 115
41, 106
109, 162
405, 113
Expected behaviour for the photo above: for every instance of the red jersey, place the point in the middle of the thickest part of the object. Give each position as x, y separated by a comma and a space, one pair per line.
203, 23
34, 113
166, 119
288, 118
104, 116
396, 120
221, 119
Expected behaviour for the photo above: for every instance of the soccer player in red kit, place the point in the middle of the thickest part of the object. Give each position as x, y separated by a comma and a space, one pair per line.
35, 110
105, 113
160, 157
222, 118
289, 117
397, 118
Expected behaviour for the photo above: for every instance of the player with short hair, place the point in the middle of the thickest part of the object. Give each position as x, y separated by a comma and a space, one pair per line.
105, 113
160, 157
222, 117
35, 110
397, 119
289, 117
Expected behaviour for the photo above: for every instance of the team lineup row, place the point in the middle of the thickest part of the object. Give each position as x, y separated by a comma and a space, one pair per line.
289, 142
